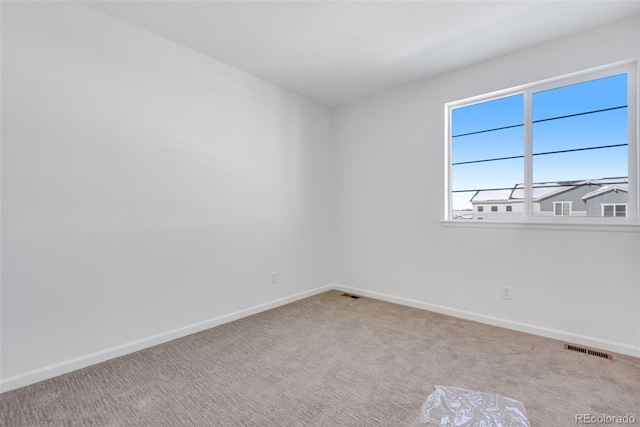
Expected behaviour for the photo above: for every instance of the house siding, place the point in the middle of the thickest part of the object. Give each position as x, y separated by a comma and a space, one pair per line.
594, 203
501, 214
578, 206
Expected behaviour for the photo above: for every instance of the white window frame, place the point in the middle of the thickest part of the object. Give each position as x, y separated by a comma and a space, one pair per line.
633, 207
626, 209
562, 208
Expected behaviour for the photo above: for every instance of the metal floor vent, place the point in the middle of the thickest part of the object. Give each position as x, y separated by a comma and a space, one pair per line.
589, 351
350, 296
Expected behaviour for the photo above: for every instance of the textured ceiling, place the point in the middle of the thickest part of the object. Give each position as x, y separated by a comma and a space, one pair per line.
338, 51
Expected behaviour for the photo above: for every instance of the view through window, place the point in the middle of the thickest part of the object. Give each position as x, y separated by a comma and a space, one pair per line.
571, 139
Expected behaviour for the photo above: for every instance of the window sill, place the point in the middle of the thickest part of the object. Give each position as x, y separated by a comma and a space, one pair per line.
546, 225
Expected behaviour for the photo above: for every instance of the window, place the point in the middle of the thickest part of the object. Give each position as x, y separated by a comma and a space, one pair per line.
557, 150
480, 208
562, 208
612, 210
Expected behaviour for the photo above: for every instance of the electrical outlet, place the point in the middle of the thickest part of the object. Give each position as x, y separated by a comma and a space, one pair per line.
506, 292
274, 277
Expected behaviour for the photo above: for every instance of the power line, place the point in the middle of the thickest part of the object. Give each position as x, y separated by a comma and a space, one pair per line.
487, 160
580, 114
540, 154
580, 149
488, 130
541, 120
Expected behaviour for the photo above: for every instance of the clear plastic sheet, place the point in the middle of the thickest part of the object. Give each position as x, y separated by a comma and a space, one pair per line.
457, 407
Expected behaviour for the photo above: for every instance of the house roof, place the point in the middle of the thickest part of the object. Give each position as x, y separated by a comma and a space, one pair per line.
492, 195
606, 189
545, 190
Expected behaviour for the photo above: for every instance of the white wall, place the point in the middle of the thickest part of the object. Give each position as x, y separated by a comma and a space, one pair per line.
149, 191
145, 188
389, 175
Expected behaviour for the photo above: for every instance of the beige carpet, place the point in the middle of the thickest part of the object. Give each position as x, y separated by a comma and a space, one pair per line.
328, 361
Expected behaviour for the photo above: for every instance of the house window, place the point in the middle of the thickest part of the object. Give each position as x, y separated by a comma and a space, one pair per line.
562, 208
613, 210
480, 208
539, 145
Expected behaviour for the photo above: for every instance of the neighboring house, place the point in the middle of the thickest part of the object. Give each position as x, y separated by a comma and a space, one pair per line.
593, 197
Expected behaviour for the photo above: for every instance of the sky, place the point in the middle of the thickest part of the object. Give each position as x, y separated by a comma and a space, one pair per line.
586, 130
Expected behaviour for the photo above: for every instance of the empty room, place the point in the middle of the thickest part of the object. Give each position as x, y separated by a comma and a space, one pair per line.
319, 213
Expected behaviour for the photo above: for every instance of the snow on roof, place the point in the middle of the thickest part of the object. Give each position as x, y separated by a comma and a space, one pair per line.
491, 195
614, 180
543, 190
606, 189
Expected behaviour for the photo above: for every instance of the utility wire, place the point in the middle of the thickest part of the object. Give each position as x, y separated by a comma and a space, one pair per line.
540, 154
541, 120
488, 130
579, 114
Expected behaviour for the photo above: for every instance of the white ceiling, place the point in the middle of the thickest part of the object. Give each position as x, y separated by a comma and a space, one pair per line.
339, 51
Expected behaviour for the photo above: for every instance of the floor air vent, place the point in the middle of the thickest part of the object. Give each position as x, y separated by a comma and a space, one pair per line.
589, 351
350, 296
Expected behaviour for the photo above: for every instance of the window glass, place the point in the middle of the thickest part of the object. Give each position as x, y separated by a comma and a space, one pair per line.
486, 152
579, 144
621, 210
562, 208
573, 145
614, 210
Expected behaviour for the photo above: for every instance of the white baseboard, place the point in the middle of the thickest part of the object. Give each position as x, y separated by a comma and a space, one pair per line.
612, 346
41, 374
